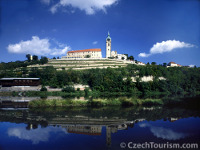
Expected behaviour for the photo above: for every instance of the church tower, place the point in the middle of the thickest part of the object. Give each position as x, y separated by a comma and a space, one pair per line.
108, 46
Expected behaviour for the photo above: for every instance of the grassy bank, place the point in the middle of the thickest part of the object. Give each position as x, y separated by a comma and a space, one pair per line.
95, 102
95, 94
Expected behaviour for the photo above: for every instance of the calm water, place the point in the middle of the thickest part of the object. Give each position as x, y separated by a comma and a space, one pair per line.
97, 128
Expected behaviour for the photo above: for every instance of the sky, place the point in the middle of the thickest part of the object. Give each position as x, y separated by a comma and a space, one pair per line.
158, 31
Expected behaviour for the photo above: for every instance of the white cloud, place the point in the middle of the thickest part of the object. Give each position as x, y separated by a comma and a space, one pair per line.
163, 133
63, 51
95, 42
166, 46
47, 2
35, 135
89, 6
38, 46
143, 55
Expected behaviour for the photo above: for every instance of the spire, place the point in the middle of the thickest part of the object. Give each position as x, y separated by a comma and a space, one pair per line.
108, 38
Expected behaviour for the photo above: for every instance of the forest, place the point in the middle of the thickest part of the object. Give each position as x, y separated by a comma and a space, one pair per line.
177, 80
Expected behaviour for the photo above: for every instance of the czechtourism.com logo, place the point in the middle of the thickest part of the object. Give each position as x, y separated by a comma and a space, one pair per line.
153, 145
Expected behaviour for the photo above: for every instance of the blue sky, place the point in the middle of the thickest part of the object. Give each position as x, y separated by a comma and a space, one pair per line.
150, 30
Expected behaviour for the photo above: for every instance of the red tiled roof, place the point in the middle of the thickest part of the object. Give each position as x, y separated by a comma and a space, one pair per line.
86, 50
172, 62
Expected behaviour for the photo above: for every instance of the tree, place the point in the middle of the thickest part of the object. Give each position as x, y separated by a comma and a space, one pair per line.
131, 58
43, 88
35, 58
87, 56
164, 64
86, 90
68, 89
43, 60
54, 57
153, 63
136, 61
28, 56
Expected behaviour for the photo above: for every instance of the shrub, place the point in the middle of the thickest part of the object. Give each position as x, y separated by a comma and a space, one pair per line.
43, 88
68, 89
126, 102
86, 90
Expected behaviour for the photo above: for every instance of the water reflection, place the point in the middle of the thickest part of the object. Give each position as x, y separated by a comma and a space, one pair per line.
34, 135
41, 125
163, 133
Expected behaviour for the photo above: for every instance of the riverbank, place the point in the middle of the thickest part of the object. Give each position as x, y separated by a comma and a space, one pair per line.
123, 101
86, 93
96, 94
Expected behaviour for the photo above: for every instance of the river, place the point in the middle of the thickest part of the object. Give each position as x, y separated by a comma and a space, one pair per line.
100, 128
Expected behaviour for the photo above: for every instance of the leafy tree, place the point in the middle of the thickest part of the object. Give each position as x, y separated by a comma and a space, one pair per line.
87, 56
43, 60
28, 56
68, 89
164, 64
43, 88
86, 90
153, 63
35, 58
131, 58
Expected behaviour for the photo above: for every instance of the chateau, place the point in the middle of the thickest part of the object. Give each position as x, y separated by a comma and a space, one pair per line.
86, 53
95, 53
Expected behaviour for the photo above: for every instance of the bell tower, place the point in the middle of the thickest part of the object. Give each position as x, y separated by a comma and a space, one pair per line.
108, 46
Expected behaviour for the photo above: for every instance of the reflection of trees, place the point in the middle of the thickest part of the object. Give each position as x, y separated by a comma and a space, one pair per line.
43, 117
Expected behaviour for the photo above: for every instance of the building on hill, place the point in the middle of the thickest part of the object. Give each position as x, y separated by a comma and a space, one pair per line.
114, 54
95, 52
141, 63
118, 56
86, 53
173, 64
121, 56
110, 53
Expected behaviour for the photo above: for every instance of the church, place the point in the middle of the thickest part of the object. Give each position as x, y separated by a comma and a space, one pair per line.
96, 53
112, 54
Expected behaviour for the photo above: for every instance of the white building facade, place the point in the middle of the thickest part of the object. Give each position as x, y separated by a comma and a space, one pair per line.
86, 53
108, 46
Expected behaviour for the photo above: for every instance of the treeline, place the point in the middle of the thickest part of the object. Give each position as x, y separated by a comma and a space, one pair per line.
177, 80
18, 64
